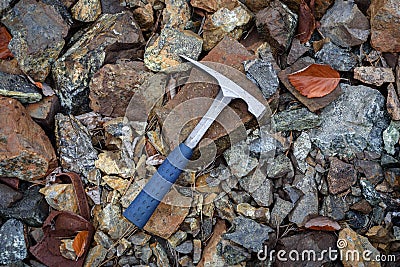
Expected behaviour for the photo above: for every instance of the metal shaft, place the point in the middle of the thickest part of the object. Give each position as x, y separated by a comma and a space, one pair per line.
219, 103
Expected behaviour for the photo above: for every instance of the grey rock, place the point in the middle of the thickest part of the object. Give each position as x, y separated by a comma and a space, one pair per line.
18, 87
388, 161
74, 145
301, 148
206, 228
32, 209
102, 239
185, 248
139, 239
262, 73
297, 119
391, 136
334, 206
378, 215
8, 196
279, 167
38, 32
345, 24
5, 5
259, 187
240, 196
161, 255
12, 242
340, 59
128, 261
249, 233
239, 160
369, 193
352, 123
306, 206
280, 211
171, 43
73, 71
277, 24
231, 253
293, 192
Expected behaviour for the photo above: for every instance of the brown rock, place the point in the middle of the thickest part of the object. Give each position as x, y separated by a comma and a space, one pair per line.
371, 169
340, 176
210, 253
43, 112
176, 14
313, 104
393, 103
385, 31
229, 52
374, 75
362, 206
25, 150
196, 250
315, 241
61, 197
351, 241
113, 86
214, 5
277, 24
169, 215
144, 16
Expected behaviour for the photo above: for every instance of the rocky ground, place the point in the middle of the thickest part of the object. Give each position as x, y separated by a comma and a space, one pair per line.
87, 91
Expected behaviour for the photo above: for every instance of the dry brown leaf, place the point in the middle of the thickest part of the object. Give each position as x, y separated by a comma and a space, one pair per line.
307, 23
79, 243
316, 80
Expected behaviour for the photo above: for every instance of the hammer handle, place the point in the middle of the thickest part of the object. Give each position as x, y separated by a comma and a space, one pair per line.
144, 205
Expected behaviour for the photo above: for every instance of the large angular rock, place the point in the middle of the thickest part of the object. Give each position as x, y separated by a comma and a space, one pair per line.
12, 242
225, 22
74, 145
277, 24
345, 24
249, 233
73, 70
374, 75
38, 32
25, 150
171, 43
297, 119
352, 123
18, 87
385, 33
113, 86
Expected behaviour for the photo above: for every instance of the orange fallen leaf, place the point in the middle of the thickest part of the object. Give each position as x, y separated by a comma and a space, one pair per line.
79, 243
39, 84
322, 223
316, 80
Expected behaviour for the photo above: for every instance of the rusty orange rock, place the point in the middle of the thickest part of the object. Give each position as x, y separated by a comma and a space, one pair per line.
25, 150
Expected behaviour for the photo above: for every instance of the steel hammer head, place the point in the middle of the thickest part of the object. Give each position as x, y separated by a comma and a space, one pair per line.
231, 89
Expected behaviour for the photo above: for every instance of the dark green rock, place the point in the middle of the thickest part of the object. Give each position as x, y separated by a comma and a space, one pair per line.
297, 119
18, 87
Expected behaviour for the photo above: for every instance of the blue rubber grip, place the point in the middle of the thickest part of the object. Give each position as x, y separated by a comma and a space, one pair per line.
143, 206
